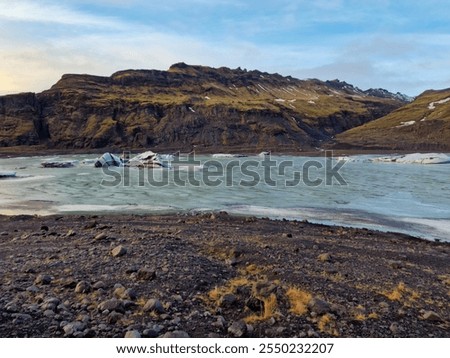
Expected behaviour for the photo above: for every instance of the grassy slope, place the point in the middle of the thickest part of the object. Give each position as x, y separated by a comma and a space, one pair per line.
430, 131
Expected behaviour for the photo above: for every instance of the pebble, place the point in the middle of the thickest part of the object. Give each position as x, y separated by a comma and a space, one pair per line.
20, 317
145, 274
238, 329
118, 251
150, 333
319, 306
83, 287
154, 305
49, 313
99, 285
72, 327
125, 294
432, 317
227, 300
325, 257
4, 233
70, 233
111, 305
176, 334
133, 334
220, 323
394, 328
101, 236
33, 289
42, 280
396, 264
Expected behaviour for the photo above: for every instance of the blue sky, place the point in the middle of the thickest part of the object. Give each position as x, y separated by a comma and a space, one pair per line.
398, 45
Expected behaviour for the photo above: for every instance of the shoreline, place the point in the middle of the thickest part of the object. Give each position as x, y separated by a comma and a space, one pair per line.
216, 275
29, 151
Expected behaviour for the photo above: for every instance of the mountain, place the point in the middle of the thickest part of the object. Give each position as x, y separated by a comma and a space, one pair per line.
423, 124
186, 107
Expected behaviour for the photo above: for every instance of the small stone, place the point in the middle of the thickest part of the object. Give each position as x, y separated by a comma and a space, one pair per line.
432, 317
101, 236
150, 333
319, 306
325, 257
176, 334
125, 294
91, 225
312, 334
287, 235
71, 233
118, 251
238, 329
49, 313
99, 285
12, 307
44, 228
50, 303
145, 274
220, 323
394, 328
114, 317
83, 287
42, 280
4, 233
396, 264
20, 318
154, 305
33, 289
111, 305
227, 300
72, 327
133, 334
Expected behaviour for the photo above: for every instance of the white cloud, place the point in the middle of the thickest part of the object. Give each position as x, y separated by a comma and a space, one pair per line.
48, 12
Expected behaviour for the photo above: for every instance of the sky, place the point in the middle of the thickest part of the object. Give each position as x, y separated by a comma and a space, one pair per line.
402, 46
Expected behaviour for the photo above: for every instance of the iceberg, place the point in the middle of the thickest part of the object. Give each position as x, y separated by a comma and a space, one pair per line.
147, 159
415, 158
108, 160
67, 164
7, 174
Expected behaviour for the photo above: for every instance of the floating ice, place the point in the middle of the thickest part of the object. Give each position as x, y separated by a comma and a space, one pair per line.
415, 158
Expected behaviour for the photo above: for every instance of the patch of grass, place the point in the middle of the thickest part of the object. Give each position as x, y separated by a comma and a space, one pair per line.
270, 310
397, 293
327, 324
402, 293
298, 300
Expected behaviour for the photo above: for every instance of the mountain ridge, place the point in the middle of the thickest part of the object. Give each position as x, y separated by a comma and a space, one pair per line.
188, 106
423, 124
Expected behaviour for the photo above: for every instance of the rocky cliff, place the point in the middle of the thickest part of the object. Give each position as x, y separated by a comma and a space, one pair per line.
189, 107
422, 125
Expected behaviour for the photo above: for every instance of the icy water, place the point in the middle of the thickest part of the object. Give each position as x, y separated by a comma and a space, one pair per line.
408, 198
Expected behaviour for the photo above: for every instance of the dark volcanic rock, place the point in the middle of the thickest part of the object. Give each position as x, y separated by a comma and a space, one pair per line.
187, 106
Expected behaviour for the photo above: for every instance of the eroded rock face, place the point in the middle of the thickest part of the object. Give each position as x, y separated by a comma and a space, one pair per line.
187, 106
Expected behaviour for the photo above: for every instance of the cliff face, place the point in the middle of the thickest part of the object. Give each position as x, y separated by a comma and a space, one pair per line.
424, 124
186, 107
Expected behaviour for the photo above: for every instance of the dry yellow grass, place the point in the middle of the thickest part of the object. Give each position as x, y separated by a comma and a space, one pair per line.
402, 293
397, 293
327, 324
270, 310
298, 300
230, 287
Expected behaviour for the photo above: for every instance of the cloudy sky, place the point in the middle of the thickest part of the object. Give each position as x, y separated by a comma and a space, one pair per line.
398, 45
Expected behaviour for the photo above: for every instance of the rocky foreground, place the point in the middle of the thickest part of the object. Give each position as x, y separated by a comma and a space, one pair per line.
216, 276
